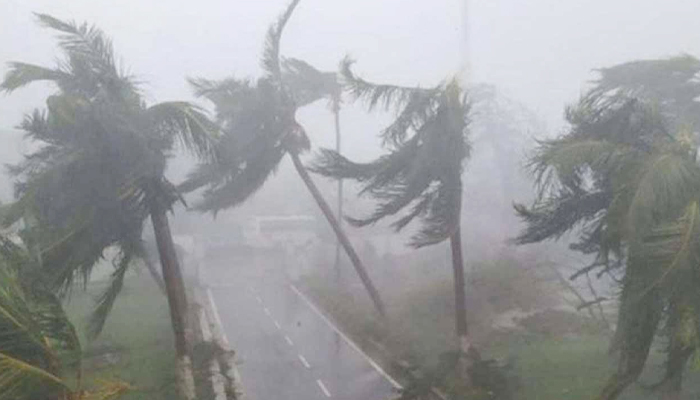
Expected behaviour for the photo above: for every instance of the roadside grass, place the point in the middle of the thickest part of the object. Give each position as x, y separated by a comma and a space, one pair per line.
136, 345
547, 367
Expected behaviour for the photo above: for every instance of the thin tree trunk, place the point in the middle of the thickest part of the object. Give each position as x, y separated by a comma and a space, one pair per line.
172, 277
344, 241
336, 112
177, 298
465, 344
153, 271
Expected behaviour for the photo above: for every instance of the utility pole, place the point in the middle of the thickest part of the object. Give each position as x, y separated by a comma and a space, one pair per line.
339, 210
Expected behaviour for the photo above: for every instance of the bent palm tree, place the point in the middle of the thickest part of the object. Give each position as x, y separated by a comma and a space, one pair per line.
626, 178
421, 173
259, 125
99, 170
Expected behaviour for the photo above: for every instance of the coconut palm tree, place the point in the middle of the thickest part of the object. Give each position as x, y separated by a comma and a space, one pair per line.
625, 177
37, 341
259, 125
98, 172
421, 175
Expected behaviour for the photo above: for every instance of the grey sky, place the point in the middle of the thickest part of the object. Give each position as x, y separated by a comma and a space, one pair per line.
540, 52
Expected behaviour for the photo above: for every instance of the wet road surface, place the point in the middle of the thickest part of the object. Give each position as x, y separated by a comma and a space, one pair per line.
285, 347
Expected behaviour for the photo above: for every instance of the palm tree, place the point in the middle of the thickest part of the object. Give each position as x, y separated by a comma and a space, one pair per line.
625, 177
98, 172
37, 341
421, 174
258, 120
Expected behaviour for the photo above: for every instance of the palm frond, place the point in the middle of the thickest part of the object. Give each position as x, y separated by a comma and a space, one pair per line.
188, 123
23, 381
29, 326
308, 84
421, 172
375, 95
84, 40
271, 53
106, 301
241, 183
667, 184
21, 74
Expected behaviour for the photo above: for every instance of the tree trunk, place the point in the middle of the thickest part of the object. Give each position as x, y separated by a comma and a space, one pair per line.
153, 271
177, 298
465, 345
342, 238
172, 277
336, 113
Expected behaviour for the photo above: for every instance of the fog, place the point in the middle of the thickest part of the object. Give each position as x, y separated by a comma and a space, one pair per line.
521, 62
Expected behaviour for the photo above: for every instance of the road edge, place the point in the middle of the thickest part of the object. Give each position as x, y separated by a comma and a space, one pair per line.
347, 339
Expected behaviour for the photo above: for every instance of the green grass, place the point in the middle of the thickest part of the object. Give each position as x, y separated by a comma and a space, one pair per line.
139, 329
548, 368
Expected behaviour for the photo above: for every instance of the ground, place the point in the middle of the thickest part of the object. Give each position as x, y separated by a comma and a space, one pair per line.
136, 345
550, 364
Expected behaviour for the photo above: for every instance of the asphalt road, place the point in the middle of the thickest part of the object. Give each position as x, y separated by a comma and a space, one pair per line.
286, 348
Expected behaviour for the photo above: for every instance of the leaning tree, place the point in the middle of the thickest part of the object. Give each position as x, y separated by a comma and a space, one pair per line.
626, 179
99, 169
421, 175
259, 128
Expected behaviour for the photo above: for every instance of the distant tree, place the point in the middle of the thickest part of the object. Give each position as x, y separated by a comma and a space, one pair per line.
99, 170
259, 125
37, 341
421, 175
626, 179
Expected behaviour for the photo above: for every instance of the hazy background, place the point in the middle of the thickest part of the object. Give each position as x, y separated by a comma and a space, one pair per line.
539, 53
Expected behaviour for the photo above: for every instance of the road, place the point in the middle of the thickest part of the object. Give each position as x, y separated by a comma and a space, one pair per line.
286, 348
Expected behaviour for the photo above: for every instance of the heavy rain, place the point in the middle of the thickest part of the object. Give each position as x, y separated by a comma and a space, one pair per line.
366, 200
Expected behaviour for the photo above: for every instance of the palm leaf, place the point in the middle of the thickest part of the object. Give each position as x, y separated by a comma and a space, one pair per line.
20, 380
188, 123
28, 326
376, 95
271, 52
21, 74
106, 301
308, 84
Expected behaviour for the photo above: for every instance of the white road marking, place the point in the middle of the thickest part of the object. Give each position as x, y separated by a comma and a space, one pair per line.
277, 325
323, 388
267, 312
303, 361
258, 299
289, 341
346, 339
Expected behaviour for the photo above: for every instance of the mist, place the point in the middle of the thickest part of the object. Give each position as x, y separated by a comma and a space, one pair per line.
476, 246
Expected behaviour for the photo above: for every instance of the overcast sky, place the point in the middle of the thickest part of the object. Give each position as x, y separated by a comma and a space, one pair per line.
539, 52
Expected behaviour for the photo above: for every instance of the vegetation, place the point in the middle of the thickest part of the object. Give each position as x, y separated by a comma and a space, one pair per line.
141, 357
625, 177
259, 125
623, 180
422, 171
98, 172
37, 340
